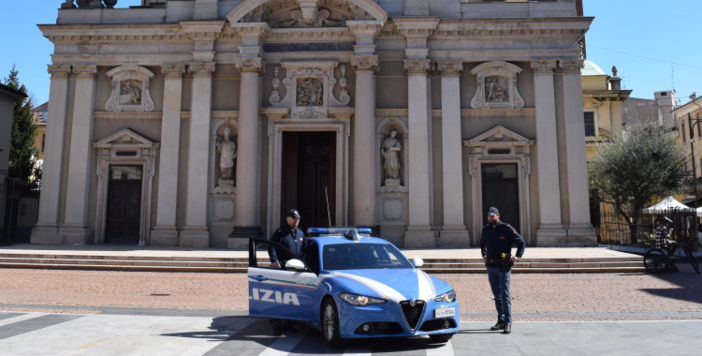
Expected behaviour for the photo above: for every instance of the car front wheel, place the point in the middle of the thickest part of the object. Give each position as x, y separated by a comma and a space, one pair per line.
330, 324
441, 338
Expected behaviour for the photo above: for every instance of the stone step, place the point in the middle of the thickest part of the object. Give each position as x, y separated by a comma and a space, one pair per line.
124, 262
540, 270
118, 257
605, 264
546, 260
93, 267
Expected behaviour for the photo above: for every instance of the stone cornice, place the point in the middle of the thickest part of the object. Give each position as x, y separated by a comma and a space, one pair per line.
250, 64
361, 63
173, 71
544, 66
201, 70
416, 26
417, 66
251, 29
59, 71
85, 71
571, 66
572, 27
450, 68
367, 28
203, 30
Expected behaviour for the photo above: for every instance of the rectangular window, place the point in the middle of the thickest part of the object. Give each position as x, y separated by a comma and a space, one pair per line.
589, 124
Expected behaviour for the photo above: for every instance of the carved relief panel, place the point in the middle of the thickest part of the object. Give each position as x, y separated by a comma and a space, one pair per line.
306, 13
497, 86
130, 89
308, 89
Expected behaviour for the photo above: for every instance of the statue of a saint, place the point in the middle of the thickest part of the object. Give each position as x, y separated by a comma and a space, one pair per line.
227, 151
391, 153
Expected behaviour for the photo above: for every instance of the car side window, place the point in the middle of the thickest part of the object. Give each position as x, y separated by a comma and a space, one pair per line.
311, 258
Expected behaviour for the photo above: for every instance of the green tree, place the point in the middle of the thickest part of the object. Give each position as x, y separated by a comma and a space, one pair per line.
636, 167
22, 162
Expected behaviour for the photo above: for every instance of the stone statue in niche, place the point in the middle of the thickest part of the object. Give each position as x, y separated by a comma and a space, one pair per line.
227, 151
309, 92
494, 91
130, 92
390, 150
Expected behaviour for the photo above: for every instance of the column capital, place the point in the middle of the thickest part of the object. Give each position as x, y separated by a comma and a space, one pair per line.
365, 31
416, 27
201, 70
417, 66
173, 71
203, 30
85, 71
365, 63
252, 30
450, 68
59, 71
544, 66
250, 64
571, 66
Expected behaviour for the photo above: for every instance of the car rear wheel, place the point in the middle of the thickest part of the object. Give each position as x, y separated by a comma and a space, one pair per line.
330, 324
441, 337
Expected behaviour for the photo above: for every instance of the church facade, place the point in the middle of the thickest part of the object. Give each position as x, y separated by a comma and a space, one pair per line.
200, 123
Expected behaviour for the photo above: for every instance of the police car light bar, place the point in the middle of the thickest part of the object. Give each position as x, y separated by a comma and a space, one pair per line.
337, 230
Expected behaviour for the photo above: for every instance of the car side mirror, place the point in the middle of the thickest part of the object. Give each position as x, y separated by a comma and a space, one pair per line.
417, 262
295, 265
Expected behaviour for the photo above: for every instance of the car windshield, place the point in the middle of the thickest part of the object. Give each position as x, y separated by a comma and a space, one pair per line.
363, 256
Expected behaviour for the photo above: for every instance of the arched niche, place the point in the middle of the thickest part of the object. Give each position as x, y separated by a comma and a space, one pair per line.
216, 136
306, 13
131, 89
382, 132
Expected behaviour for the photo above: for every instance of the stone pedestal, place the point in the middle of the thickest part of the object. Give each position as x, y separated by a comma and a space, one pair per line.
164, 236
224, 187
194, 236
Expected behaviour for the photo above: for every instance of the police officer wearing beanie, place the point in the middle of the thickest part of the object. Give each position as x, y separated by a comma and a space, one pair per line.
496, 247
293, 239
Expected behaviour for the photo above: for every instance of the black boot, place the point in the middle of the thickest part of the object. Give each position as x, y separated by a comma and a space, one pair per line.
498, 326
507, 329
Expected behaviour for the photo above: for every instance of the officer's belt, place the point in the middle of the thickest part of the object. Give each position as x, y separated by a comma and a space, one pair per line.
495, 261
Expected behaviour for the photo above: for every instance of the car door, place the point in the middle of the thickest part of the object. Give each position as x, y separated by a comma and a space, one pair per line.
279, 293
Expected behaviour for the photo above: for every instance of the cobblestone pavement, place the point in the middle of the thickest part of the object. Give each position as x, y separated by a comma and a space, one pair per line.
535, 296
108, 335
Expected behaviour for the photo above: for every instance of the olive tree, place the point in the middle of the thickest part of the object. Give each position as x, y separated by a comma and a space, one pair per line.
635, 167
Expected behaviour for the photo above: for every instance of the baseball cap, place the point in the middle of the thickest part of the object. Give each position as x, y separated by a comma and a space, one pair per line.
293, 214
493, 211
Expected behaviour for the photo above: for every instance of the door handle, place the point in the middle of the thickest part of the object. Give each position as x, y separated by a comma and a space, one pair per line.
259, 278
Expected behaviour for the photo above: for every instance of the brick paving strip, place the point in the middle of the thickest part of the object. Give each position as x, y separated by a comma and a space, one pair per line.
631, 296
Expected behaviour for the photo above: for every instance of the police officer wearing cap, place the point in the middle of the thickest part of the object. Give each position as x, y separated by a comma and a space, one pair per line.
293, 239
496, 247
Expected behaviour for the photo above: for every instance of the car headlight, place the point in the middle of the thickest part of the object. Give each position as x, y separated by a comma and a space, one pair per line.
360, 300
448, 297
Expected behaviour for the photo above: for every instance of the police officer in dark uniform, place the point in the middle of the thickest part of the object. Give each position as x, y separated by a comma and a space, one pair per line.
496, 247
293, 239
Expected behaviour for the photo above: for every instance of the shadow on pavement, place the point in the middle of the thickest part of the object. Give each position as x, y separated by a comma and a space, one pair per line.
688, 281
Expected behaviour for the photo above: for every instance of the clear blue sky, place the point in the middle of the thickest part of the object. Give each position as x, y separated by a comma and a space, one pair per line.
661, 30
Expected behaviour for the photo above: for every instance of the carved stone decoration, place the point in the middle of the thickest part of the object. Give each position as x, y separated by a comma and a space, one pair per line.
497, 86
59, 71
130, 89
227, 150
344, 97
86, 71
571, 66
306, 13
308, 89
365, 63
249, 64
450, 68
390, 151
173, 71
68, 4
201, 70
544, 66
275, 83
417, 66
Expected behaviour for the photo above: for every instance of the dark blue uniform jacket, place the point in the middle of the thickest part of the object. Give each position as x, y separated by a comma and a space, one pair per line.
494, 241
293, 240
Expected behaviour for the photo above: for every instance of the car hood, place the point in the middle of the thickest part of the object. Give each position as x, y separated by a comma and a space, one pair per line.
393, 284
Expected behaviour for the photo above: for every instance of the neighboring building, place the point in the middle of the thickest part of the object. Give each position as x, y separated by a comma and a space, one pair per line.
40, 114
602, 102
683, 114
8, 97
200, 123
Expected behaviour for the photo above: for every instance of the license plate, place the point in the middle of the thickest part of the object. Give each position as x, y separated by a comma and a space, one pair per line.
444, 312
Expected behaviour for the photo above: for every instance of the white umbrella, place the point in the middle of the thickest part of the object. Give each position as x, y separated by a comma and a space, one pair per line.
668, 203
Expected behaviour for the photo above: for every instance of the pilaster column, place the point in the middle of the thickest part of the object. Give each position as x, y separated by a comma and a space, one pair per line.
165, 232
419, 181
580, 230
246, 224
550, 231
453, 233
364, 140
46, 230
195, 232
75, 229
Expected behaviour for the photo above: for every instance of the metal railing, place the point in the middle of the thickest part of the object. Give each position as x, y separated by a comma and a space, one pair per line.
19, 211
640, 229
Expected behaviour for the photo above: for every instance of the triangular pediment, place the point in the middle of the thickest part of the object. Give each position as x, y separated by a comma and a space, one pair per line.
126, 137
498, 135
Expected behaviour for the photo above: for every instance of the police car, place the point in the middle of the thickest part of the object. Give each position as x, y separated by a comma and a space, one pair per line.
351, 285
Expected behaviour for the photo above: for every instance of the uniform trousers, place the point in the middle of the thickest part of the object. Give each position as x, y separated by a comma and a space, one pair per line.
499, 283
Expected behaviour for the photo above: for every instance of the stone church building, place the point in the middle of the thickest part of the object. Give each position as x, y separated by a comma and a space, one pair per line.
199, 123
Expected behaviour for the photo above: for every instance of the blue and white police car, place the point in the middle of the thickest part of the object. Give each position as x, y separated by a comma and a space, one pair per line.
351, 285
